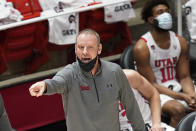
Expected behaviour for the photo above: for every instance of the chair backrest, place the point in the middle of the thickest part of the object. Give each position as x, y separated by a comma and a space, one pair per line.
186, 123
126, 59
192, 53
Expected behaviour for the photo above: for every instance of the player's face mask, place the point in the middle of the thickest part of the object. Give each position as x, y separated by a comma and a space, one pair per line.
87, 66
164, 21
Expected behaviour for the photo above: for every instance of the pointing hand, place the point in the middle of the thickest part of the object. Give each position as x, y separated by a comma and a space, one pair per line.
37, 89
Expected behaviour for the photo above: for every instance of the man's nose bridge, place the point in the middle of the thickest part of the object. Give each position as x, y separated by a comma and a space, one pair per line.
85, 50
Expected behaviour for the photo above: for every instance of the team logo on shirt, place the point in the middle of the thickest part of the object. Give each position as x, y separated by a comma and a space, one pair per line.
58, 8
68, 32
83, 88
109, 85
188, 10
72, 19
109, 16
167, 68
122, 8
152, 47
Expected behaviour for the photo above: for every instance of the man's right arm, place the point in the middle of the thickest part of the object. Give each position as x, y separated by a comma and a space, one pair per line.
58, 84
142, 58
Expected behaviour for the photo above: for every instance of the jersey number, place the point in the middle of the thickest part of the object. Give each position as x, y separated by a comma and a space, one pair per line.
167, 73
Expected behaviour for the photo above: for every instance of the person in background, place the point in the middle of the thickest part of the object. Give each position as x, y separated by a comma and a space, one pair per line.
148, 100
162, 57
91, 89
4, 121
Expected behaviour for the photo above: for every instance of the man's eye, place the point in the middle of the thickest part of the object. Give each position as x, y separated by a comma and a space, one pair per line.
168, 11
80, 47
160, 12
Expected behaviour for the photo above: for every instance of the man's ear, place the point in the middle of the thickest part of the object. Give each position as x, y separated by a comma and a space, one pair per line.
75, 48
151, 20
99, 48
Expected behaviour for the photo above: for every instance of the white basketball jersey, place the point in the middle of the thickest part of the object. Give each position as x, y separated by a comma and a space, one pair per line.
144, 109
124, 122
163, 61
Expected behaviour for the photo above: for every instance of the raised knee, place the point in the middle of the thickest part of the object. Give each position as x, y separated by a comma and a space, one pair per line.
175, 108
178, 110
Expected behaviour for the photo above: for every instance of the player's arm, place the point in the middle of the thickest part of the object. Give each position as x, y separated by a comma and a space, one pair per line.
127, 98
139, 83
183, 68
184, 72
142, 58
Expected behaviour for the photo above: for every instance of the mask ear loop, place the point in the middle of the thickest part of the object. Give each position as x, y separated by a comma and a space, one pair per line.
156, 22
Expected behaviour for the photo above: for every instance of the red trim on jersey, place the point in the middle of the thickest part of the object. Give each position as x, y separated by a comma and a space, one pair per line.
176, 34
121, 106
123, 113
143, 39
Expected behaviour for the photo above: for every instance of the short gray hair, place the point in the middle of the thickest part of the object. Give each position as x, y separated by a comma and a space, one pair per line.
89, 31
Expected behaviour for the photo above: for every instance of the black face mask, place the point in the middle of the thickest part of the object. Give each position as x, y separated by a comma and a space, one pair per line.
87, 66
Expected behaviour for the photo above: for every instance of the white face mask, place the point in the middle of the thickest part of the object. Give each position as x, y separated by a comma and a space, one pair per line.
164, 21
